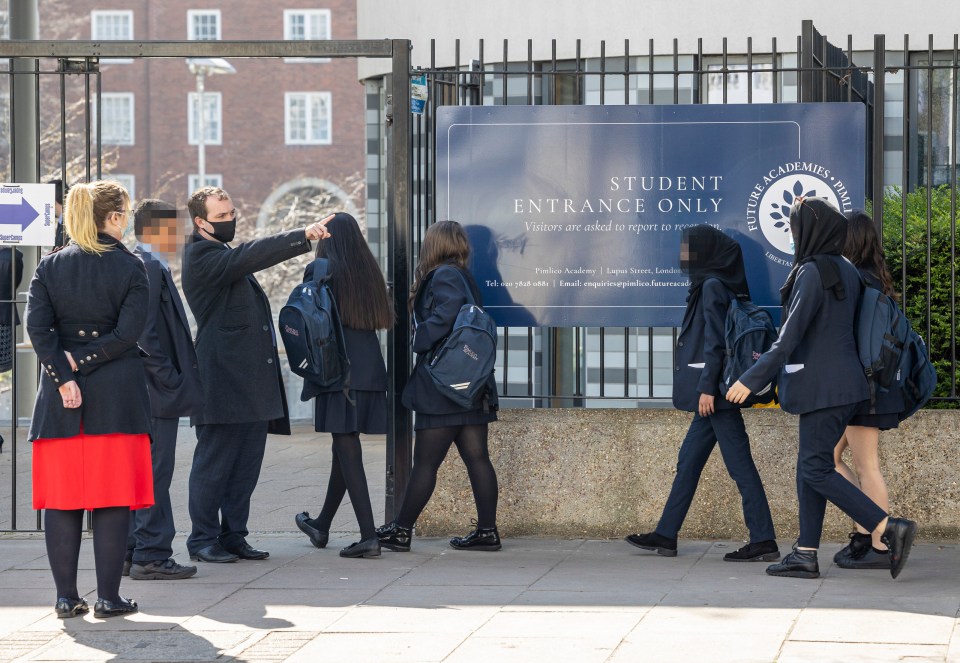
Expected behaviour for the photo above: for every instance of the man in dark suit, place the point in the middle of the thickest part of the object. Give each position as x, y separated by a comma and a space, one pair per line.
243, 390
173, 380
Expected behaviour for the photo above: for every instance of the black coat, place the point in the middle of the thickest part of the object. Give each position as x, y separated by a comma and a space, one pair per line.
816, 353
236, 347
435, 311
173, 374
8, 287
93, 306
367, 369
698, 357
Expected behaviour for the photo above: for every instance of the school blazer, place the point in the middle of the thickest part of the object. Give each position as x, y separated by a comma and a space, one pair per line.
237, 353
93, 306
816, 353
698, 357
172, 371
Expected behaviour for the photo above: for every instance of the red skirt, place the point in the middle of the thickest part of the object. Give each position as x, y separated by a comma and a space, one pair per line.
92, 472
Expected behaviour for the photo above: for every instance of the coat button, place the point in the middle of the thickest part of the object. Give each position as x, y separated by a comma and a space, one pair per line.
676, 368
94, 356
56, 380
95, 334
82, 333
679, 344
270, 361
81, 361
194, 365
266, 328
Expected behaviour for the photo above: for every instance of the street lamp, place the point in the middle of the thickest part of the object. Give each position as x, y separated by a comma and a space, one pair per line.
202, 67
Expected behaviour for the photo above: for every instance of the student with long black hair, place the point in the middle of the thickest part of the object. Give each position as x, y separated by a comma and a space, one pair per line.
862, 436
714, 263
364, 306
439, 290
821, 379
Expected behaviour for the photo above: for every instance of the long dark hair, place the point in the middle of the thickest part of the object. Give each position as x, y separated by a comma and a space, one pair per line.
357, 282
863, 249
445, 242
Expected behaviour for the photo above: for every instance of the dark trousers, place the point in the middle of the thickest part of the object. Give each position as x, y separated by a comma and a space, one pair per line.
818, 480
152, 530
726, 428
226, 467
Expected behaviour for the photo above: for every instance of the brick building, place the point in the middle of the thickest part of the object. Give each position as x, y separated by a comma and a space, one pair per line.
274, 129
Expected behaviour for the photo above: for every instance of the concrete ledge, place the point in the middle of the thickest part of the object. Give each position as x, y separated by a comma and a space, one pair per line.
606, 473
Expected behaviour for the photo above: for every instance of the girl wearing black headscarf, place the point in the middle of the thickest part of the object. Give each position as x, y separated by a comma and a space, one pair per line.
714, 263
821, 379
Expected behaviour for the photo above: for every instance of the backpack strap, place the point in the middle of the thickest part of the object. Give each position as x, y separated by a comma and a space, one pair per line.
321, 269
466, 284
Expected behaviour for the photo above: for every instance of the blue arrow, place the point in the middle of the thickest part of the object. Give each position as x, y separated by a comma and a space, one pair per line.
22, 215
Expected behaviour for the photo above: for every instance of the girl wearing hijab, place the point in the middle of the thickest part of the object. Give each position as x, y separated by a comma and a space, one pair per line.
820, 378
714, 263
866, 551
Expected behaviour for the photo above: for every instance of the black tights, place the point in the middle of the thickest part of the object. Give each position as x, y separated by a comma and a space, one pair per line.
347, 476
430, 450
63, 531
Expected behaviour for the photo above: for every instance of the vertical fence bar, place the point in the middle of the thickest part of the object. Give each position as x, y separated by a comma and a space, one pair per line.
749, 70
603, 71
929, 178
626, 71
723, 70
701, 72
879, 119
905, 169
650, 75
953, 219
775, 64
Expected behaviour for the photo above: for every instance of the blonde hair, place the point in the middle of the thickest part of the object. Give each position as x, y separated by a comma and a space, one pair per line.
86, 210
444, 242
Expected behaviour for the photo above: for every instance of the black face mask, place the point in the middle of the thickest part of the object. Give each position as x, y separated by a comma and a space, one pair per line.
224, 230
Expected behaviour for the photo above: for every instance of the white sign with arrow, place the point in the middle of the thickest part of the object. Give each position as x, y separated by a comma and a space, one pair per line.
27, 214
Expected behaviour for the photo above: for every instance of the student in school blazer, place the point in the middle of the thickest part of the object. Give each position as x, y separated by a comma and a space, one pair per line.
820, 378
714, 262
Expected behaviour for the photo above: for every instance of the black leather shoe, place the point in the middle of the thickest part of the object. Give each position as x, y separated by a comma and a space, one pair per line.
164, 569
317, 538
868, 560
246, 551
653, 541
798, 564
899, 536
104, 608
366, 548
857, 548
761, 551
395, 538
68, 608
482, 538
214, 554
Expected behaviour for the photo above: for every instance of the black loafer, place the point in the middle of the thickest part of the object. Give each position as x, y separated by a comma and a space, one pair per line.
104, 608
653, 541
246, 551
366, 548
69, 608
317, 538
214, 554
482, 538
899, 536
394, 537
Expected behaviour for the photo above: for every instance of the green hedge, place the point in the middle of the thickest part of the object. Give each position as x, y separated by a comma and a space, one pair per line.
911, 248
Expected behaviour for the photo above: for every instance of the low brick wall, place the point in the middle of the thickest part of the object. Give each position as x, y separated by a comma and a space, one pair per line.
606, 473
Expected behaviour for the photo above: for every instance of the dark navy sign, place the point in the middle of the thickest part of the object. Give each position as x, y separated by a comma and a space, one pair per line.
575, 212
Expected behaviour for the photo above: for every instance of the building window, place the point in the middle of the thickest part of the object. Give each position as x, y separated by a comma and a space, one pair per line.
112, 25
212, 121
4, 25
209, 179
117, 118
307, 118
303, 24
129, 183
203, 24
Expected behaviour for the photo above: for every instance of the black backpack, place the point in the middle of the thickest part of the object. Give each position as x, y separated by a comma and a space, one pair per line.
748, 333
464, 360
312, 334
892, 354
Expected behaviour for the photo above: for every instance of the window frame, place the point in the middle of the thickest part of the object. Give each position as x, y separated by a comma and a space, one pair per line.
193, 13
100, 13
98, 118
289, 13
287, 98
193, 178
192, 136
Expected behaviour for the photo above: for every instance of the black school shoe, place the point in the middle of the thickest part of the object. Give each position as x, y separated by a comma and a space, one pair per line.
103, 608
798, 564
653, 541
317, 537
761, 551
394, 537
857, 548
899, 536
68, 608
872, 559
482, 538
366, 548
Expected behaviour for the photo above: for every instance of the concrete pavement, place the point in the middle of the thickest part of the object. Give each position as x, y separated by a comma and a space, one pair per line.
566, 600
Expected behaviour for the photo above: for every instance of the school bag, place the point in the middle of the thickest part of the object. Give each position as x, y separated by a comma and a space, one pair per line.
892, 354
748, 332
311, 332
463, 362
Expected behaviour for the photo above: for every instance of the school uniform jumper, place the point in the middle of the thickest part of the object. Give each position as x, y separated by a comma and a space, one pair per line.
698, 363
821, 379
